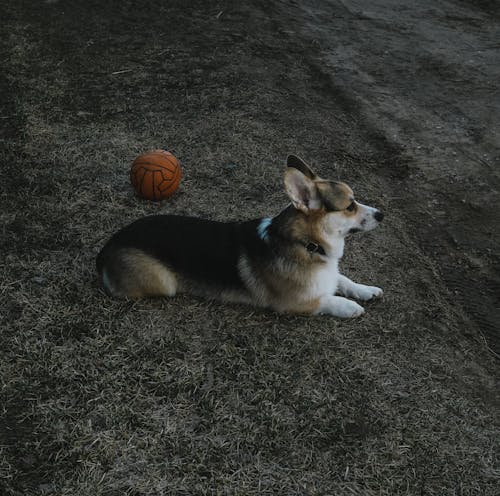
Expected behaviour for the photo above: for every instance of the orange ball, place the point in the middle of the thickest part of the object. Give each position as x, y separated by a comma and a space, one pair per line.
155, 175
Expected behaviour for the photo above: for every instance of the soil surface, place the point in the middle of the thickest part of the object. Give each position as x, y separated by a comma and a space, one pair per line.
425, 79
399, 99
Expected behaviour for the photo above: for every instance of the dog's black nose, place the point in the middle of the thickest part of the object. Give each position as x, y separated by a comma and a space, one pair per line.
378, 216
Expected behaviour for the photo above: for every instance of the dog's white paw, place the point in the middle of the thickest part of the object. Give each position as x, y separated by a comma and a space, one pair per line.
341, 307
350, 309
365, 293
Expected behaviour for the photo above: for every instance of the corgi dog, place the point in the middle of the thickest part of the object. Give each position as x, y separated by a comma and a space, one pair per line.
288, 262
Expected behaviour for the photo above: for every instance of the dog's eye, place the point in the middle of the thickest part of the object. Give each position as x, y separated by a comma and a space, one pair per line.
351, 207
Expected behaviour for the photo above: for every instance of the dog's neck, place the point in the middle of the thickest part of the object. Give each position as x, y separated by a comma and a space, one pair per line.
335, 247
284, 226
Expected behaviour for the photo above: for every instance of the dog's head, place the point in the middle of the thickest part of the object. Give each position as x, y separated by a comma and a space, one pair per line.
330, 204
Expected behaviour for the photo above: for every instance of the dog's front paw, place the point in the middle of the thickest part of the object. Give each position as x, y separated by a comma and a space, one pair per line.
350, 309
341, 307
365, 293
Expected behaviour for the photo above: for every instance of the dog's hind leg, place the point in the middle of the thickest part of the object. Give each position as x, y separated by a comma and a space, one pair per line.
131, 273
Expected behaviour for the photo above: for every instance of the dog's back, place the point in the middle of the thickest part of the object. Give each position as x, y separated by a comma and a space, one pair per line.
196, 253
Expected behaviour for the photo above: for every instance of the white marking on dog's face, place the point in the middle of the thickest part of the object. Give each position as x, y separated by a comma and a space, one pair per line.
356, 217
367, 217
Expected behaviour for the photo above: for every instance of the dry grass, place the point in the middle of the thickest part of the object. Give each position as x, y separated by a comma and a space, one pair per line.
185, 396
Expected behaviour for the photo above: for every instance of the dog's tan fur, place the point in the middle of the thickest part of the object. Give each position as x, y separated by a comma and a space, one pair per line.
141, 275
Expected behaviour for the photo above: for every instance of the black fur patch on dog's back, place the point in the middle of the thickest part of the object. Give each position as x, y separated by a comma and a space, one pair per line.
207, 251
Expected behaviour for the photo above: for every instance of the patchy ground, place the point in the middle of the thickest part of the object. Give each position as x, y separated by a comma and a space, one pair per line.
186, 396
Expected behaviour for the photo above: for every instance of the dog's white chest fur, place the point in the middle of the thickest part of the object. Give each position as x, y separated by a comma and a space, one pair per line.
326, 278
324, 281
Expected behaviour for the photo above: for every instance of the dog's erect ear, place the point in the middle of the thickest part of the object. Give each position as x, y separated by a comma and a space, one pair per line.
302, 190
299, 164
